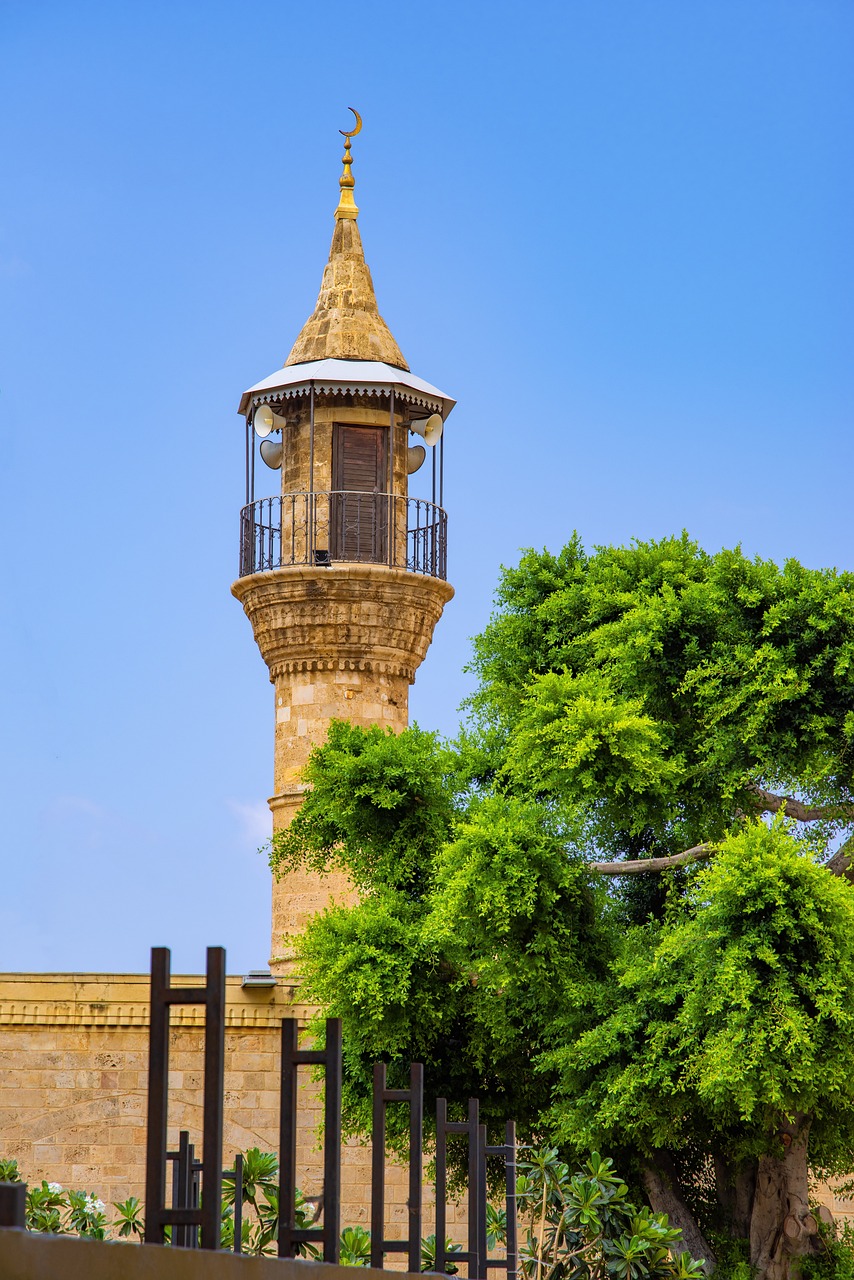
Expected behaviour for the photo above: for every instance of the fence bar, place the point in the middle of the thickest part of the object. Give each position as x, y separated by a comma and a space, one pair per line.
481, 1199
470, 1129
213, 1097
474, 1189
238, 1202
332, 1142
378, 1167
441, 1183
512, 1249
288, 1137
184, 1236
331, 1059
414, 1096
13, 1204
416, 1175
163, 996
507, 1151
158, 1066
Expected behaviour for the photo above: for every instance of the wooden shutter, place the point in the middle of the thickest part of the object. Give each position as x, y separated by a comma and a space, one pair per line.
358, 459
359, 507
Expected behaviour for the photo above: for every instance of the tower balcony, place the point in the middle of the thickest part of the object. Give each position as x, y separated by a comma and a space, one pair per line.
322, 529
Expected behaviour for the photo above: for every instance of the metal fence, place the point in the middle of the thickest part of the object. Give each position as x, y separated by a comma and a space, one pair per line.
193, 1214
332, 527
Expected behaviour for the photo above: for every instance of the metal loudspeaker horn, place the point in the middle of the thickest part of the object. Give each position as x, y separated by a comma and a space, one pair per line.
430, 428
415, 455
264, 421
271, 452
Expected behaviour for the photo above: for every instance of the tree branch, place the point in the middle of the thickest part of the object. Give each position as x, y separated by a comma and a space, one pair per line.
771, 803
639, 866
842, 862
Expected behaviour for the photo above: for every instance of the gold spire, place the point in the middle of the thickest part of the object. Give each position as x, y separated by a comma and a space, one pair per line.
346, 323
347, 207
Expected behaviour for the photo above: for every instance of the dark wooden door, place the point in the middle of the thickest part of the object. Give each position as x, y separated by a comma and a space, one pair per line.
359, 514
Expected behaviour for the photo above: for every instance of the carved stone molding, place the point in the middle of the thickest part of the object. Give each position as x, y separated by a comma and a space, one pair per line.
360, 617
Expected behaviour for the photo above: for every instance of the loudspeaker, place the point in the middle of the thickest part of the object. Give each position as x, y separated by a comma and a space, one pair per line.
264, 420
430, 428
415, 456
271, 452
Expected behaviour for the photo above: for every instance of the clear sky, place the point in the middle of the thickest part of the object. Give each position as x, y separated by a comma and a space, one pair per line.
618, 232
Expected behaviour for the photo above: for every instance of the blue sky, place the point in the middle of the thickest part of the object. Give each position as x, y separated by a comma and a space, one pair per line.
619, 233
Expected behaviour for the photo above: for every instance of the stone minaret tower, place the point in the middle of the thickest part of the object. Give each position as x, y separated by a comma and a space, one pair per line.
342, 573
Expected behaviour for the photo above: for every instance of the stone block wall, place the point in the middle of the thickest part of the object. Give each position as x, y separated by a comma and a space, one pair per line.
74, 1079
74, 1076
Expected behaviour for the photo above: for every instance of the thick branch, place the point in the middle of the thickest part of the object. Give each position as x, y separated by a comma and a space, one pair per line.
842, 862
771, 803
664, 1197
639, 866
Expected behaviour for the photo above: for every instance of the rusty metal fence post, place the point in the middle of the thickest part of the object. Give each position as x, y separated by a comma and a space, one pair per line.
13, 1204
205, 1216
238, 1202
290, 1236
414, 1096
468, 1128
195, 1211
507, 1151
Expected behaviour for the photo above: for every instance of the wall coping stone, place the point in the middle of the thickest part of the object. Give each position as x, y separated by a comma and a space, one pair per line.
27, 1256
121, 1000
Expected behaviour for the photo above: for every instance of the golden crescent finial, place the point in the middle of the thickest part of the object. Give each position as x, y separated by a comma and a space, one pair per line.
358, 128
347, 207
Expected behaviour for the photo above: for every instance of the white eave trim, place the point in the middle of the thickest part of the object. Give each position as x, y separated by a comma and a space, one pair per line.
365, 377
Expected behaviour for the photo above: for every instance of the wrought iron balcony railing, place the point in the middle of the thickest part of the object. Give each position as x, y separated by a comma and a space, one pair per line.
330, 528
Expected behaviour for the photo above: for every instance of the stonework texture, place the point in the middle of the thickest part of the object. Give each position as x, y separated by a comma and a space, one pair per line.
340, 643
74, 1075
346, 323
73, 1080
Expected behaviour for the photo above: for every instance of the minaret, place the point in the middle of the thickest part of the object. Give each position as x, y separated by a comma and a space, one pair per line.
342, 573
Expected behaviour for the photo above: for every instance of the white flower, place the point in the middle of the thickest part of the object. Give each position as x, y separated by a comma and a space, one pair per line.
94, 1205
55, 1187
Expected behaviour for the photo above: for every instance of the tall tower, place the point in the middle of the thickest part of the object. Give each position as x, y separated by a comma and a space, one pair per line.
343, 572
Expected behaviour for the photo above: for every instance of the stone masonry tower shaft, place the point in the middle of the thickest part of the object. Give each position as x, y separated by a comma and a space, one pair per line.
342, 572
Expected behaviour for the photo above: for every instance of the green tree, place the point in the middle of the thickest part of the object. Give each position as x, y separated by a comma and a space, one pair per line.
584, 910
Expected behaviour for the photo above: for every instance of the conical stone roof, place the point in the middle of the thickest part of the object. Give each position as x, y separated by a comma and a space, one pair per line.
346, 323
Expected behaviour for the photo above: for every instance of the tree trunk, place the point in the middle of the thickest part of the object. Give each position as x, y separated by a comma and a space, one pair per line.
736, 1187
663, 1196
781, 1225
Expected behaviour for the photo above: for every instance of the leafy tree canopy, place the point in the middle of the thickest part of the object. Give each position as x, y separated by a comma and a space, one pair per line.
668, 691
637, 708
